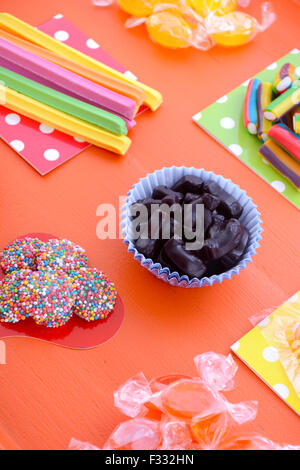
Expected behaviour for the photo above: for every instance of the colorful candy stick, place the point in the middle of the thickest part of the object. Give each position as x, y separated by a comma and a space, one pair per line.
64, 103
58, 75
284, 78
65, 123
250, 106
283, 104
296, 123
287, 119
114, 84
20, 28
282, 161
264, 98
37, 78
287, 139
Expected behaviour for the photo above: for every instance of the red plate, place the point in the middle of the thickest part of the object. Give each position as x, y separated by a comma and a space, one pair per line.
77, 333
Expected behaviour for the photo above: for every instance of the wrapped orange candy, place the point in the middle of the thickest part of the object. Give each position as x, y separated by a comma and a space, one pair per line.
192, 412
204, 7
188, 398
178, 24
142, 8
135, 434
211, 430
138, 8
169, 29
234, 29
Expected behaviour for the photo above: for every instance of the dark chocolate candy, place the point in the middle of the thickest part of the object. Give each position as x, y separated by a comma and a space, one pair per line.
214, 267
161, 226
149, 248
232, 258
225, 237
228, 206
189, 184
210, 201
177, 258
223, 242
218, 224
148, 202
217, 218
161, 191
190, 197
207, 220
171, 199
207, 215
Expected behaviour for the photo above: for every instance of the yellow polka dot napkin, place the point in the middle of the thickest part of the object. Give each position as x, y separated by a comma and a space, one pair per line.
272, 351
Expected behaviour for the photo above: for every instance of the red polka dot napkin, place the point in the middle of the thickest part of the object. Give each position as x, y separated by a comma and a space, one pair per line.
41, 146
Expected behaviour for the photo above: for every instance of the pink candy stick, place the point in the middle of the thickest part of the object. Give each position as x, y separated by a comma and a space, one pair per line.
100, 96
37, 78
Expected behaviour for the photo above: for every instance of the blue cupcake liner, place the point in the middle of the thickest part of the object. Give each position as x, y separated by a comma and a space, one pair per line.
250, 218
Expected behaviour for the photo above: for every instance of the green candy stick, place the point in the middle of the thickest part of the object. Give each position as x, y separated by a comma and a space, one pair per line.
62, 102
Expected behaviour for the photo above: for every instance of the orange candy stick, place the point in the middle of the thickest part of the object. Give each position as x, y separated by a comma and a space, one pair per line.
114, 84
24, 30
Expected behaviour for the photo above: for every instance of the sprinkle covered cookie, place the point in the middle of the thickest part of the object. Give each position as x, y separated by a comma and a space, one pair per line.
61, 254
50, 297
97, 294
13, 297
49, 282
21, 254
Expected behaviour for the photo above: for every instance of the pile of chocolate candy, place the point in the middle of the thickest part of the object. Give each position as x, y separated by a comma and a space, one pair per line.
50, 282
225, 237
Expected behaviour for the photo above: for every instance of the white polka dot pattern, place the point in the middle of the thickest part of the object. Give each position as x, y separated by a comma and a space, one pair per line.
17, 145
51, 154
227, 123
61, 35
12, 119
271, 354
282, 390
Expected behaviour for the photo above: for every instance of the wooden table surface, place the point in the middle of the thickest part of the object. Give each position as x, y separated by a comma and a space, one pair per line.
49, 394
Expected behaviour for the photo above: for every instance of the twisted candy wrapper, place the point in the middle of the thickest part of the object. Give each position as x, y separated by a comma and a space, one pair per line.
180, 412
198, 23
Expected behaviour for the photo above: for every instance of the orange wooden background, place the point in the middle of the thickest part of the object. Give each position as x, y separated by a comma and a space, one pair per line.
49, 394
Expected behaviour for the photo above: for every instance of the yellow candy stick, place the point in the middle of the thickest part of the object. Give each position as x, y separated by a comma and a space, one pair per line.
296, 123
114, 84
283, 103
64, 122
20, 28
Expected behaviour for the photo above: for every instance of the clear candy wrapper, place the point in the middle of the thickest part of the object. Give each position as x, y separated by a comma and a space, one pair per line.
179, 412
79, 445
201, 24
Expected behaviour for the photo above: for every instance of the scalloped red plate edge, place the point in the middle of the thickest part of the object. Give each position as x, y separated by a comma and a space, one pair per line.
77, 333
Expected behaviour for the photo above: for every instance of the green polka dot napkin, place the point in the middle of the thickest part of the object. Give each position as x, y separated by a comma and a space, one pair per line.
223, 120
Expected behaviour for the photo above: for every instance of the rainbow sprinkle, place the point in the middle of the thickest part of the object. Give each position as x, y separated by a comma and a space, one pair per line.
61, 254
13, 292
21, 254
50, 297
57, 284
97, 295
